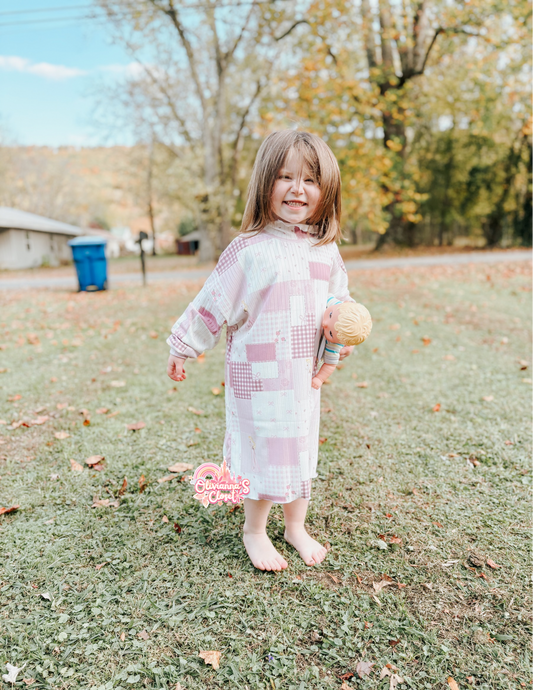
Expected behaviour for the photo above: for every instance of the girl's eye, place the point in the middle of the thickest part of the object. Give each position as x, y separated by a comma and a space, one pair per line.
330, 314
331, 334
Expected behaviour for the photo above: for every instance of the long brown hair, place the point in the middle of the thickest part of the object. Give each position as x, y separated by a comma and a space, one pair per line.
322, 164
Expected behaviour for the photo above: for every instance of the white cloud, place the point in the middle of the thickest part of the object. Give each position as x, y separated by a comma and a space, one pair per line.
132, 69
13, 63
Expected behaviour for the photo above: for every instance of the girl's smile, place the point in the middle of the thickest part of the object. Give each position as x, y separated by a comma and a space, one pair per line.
296, 192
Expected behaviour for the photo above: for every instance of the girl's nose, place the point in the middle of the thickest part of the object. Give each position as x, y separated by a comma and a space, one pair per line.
297, 186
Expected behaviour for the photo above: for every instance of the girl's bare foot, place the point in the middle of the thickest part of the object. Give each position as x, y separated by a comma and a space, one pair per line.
262, 552
309, 549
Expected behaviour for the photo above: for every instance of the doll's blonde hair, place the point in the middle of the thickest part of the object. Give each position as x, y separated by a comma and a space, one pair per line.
322, 164
354, 323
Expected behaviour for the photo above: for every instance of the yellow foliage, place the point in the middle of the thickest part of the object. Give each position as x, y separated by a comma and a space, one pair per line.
394, 145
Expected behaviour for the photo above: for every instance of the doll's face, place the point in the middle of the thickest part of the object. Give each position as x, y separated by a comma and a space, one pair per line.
329, 321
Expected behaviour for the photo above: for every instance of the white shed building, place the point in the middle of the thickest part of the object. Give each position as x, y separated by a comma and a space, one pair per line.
28, 240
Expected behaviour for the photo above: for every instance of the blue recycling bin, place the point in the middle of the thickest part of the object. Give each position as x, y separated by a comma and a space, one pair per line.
91, 263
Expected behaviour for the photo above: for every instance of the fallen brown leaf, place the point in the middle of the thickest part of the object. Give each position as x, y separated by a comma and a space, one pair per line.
393, 643
94, 460
123, 488
143, 635
118, 384
101, 565
362, 384
28, 681
426, 340
142, 483
105, 503
4, 511
75, 466
177, 528
86, 422
167, 478
488, 398
436, 408
492, 564
164, 519
449, 357
395, 540
153, 334
180, 467
61, 434
102, 410
195, 411
378, 586
322, 440
210, 657
136, 426
453, 685
215, 391
122, 636
364, 668
33, 339
113, 414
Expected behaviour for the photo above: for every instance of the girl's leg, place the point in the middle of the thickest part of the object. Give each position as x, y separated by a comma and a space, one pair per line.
258, 546
309, 549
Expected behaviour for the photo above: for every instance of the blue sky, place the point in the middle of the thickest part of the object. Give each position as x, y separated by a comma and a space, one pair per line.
48, 72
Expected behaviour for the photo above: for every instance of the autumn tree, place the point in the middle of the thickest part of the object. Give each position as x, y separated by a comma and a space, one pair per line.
364, 69
200, 74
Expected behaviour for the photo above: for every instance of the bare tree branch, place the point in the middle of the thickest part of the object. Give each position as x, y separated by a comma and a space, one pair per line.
169, 101
300, 21
368, 32
420, 32
237, 140
172, 13
229, 53
386, 28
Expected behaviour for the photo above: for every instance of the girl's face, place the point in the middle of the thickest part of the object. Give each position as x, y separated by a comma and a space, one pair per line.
296, 193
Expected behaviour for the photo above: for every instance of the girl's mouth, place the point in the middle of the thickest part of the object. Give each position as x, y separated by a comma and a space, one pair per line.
295, 204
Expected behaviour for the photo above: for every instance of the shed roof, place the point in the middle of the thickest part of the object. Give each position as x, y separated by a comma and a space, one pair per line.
193, 236
13, 218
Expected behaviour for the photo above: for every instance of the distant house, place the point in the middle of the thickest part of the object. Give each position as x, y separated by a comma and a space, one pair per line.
28, 240
188, 244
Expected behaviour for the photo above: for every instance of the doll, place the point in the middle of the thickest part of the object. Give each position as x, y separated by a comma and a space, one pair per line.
347, 321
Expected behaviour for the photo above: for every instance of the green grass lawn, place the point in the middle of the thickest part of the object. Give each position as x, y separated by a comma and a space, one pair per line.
424, 477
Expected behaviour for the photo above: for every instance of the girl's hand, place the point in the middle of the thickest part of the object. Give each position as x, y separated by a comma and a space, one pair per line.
316, 383
175, 368
346, 351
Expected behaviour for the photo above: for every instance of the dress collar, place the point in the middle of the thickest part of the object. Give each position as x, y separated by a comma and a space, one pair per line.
291, 231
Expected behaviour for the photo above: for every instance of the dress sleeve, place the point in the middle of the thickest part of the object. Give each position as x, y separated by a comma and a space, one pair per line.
219, 302
338, 280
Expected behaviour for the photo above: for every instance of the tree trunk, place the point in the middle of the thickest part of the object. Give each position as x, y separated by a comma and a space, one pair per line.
523, 216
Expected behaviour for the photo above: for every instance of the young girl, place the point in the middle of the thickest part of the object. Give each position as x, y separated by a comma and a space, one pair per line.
270, 287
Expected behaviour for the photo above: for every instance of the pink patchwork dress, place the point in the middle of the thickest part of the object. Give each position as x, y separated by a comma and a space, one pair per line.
270, 289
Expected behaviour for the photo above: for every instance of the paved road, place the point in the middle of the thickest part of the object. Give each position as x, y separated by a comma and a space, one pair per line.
356, 265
